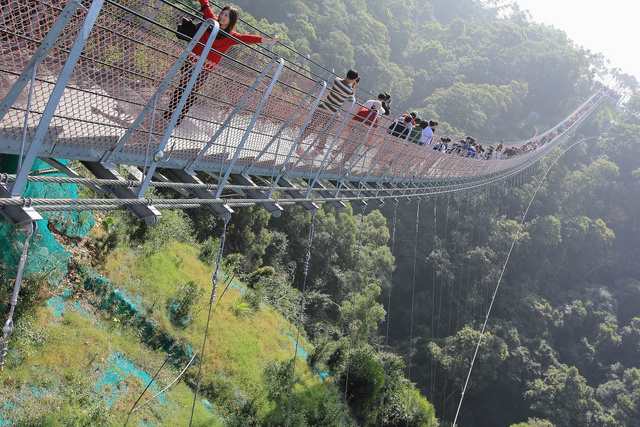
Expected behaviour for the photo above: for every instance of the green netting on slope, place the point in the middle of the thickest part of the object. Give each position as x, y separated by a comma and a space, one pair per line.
45, 257
72, 224
119, 302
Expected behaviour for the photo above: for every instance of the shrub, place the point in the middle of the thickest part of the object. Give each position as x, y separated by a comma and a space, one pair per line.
240, 308
30, 294
366, 379
209, 250
109, 240
258, 274
180, 305
277, 377
172, 226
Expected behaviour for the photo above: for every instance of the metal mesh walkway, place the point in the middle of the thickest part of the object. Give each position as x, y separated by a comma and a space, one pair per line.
92, 82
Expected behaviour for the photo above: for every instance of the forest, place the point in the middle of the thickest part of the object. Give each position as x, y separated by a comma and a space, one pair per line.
392, 301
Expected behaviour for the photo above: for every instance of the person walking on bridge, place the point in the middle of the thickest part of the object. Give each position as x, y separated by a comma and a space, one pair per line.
225, 38
340, 90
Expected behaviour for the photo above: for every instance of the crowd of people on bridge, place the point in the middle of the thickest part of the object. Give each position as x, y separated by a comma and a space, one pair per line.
414, 129
408, 126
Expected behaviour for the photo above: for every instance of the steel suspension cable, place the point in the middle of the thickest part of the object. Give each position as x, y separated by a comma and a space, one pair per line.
504, 267
393, 243
463, 254
355, 289
468, 306
29, 230
444, 246
413, 290
432, 367
459, 302
214, 280
446, 222
453, 284
301, 309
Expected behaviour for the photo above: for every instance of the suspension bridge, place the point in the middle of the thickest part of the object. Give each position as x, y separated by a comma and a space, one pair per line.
92, 84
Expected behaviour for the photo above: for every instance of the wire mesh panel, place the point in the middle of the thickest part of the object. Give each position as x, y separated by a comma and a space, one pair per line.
24, 26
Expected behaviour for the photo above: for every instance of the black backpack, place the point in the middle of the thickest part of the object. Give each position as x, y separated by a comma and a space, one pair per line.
187, 29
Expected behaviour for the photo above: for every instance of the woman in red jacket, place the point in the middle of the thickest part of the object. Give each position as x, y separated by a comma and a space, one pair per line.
227, 20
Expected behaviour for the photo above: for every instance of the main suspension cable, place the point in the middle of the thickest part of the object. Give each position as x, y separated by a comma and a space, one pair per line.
504, 267
301, 309
216, 275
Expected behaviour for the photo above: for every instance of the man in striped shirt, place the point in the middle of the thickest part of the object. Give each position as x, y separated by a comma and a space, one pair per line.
340, 90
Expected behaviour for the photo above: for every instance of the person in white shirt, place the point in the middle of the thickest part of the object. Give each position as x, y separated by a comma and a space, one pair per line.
427, 133
376, 104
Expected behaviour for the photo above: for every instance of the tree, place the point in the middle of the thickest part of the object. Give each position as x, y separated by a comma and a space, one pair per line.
363, 314
456, 355
534, 422
621, 397
563, 397
363, 385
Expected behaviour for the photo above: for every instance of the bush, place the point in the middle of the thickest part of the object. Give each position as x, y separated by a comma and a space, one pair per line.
277, 377
30, 295
221, 390
209, 250
258, 274
109, 240
172, 226
365, 382
30, 337
180, 305
240, 308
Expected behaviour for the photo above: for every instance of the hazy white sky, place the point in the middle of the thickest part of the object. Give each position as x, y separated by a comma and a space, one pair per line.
609, 27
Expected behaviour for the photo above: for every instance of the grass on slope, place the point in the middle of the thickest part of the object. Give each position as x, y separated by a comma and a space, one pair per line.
240, 342
71, 369
72, 363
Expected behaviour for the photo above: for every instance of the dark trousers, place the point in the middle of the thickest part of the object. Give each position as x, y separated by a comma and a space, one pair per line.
185, 74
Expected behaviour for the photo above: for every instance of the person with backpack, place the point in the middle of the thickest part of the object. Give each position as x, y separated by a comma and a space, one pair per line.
226, 37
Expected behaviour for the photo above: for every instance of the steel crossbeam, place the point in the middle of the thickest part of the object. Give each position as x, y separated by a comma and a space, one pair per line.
101, 170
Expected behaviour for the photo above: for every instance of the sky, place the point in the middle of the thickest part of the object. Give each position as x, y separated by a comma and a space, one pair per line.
608, 27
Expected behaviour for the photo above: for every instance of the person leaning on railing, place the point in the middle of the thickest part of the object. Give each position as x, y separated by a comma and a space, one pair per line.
416, 131
225, 38
401, 127
340, 90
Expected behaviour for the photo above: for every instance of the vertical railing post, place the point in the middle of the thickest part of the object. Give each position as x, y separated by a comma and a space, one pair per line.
283, 171
54, 99
286, 124
191, 164
280, 61
324, 160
